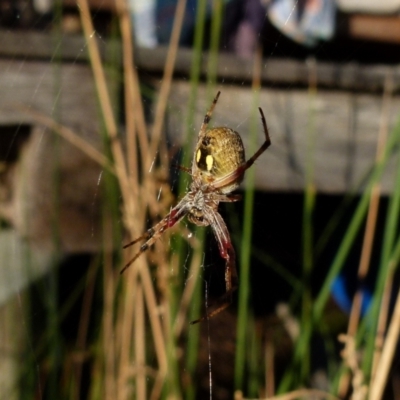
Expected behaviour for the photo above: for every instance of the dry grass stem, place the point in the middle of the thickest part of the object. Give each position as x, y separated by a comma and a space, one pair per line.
167, 76
104, 97
132, 307
152, 307
134, 112
190, 285
70, 136
389, 350
140, 340
130, 126
98, 70
382, 323
157, 387
269, 367
371, 222
370, 231
124, 331
140, 276
135, 199
350, 358
373, 206
296, 394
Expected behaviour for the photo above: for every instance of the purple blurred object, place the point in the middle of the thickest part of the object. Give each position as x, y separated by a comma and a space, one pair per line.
248, 32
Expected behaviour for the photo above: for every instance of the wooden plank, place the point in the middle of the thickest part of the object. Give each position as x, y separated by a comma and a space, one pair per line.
230, 68
346, 123
345, 127
65, 91
36, 45
349, 76
382, 28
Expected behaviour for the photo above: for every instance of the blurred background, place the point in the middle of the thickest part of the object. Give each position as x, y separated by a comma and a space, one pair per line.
100, 101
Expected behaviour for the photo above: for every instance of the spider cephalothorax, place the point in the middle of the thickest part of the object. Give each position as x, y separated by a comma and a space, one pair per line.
218, 168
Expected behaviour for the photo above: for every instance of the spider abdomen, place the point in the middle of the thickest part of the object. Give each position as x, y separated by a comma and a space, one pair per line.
218, 153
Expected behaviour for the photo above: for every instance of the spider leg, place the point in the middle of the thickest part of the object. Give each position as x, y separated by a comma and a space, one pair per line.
207, 117
227, 252
149, 233
230, 198
238, 172
182, 168
176, 214
263, 147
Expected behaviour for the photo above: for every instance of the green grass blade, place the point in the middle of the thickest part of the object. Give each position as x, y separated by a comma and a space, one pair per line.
388, 255
245, 256
308, 241
354, 226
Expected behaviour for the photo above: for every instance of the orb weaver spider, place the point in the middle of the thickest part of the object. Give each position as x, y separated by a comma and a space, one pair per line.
218, 168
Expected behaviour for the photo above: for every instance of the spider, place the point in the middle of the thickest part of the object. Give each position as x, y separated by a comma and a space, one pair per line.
218, 168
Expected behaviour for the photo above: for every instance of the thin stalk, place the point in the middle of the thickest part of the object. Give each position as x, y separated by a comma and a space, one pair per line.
195, 71
140, 349
254, 360
130, 202
147, 157
187, 151
70, 136
370, 228
103, 93
216, 24
194, 82
192, 348
124, 330
53, 321
148, 153
129, 310
392, 219
308, 209
269, 367
187, 154
246, 245
354, 226
392, 338
53, 329
301, 359
383, 272
194, 335
188, 297
109, 345
373, 209
167, 76
130, 98
136, 129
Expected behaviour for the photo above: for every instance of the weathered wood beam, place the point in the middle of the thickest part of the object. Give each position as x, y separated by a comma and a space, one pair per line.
348, 76
344, 127
65, 92
381, 28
